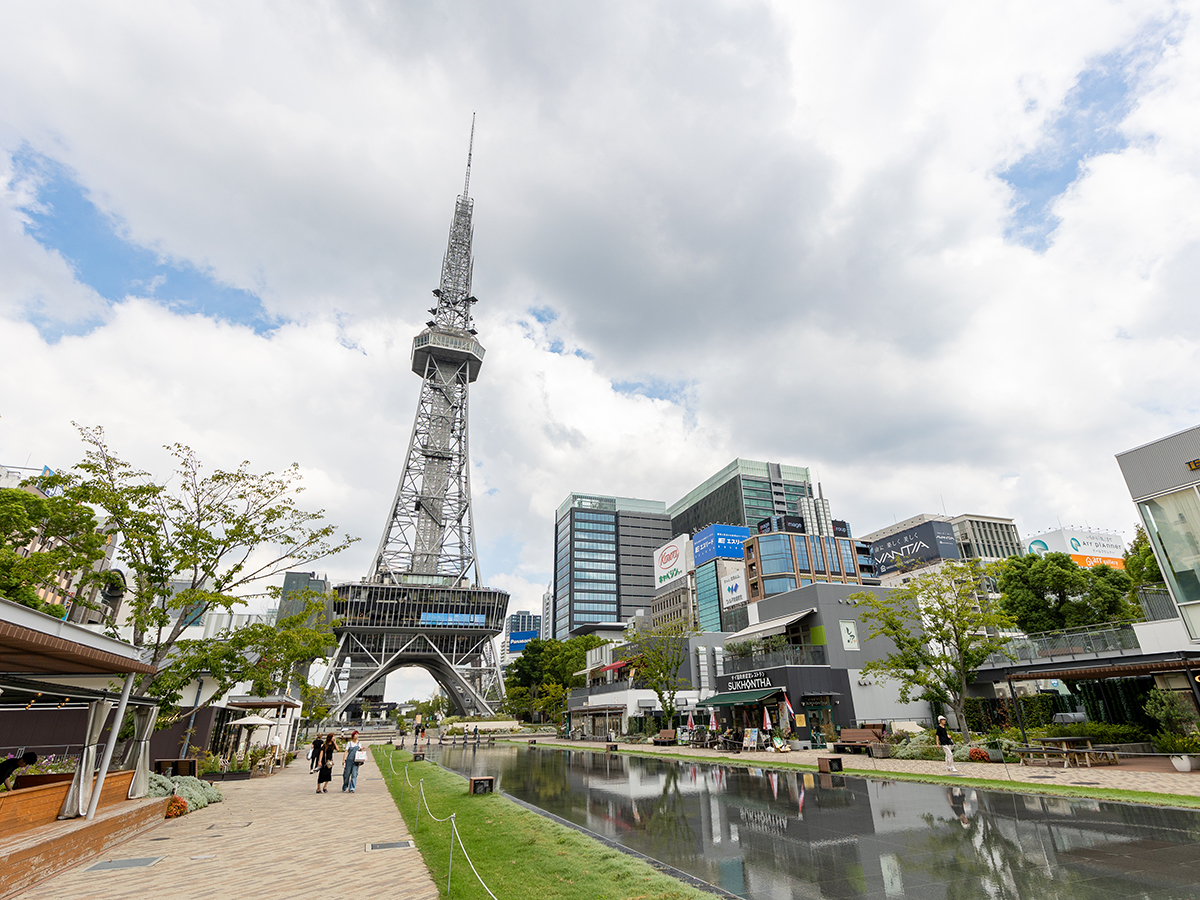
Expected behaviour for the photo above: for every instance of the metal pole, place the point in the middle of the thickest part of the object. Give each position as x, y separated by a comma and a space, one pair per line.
1017, 705
450, 868
108, 748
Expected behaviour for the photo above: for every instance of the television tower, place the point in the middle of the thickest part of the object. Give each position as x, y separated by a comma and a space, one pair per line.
422, 602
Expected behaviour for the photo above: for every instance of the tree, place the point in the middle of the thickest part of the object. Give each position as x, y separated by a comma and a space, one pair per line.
542, 662
658, 654
1140, 564
1051, 592
1176, 712
195, 545
553, 701
64, 538
943, 627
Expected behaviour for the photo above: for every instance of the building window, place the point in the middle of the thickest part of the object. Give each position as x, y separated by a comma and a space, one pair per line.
1173, 526
778, 584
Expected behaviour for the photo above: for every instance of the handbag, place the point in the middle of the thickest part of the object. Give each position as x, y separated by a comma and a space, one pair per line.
359, 756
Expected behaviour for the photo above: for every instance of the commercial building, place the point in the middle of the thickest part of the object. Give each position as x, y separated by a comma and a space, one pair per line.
1087, 546
519, 629
781, 561
298, 589
930, 539
546, 631
702, 580
1164, 481
603, 561
747, 491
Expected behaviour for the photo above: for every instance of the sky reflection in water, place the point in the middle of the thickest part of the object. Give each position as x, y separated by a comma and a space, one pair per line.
766, 835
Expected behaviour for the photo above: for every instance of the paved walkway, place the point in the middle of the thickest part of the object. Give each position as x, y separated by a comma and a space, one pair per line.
269, 838
1131, 775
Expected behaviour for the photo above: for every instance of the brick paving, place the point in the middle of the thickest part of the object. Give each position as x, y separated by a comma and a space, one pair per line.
269, 838
1154, 774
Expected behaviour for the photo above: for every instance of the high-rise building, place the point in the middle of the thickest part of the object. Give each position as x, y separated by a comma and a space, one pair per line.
519, 629
781, 561
747, 491
603, 563
929, 539
292, 598
547, 629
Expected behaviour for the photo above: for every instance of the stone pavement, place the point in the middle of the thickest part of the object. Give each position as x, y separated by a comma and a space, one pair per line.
1131, 775
269, 838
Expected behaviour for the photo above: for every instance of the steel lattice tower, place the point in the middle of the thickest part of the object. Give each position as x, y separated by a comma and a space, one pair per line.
422, 604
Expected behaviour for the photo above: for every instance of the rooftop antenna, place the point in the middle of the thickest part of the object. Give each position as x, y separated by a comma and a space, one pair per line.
470, 149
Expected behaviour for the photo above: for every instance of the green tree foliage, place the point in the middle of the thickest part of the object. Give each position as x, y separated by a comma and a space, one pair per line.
1140, 563
544, 662
1175, 712
430, 709
658, 654
1051, 592
943, 627
64, 537
195, 544
552, 702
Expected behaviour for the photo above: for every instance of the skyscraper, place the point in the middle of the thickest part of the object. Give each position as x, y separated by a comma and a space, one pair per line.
422, 602
747, 491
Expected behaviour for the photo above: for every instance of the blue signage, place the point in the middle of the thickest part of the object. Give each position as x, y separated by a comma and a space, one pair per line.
724, 541
518, 639
434, 618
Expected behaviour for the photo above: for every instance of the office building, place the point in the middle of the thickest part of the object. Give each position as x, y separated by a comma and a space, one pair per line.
519, 629
929, 539
784, 560
603, 561
1164, 481
747, 491
293, 596
545, 632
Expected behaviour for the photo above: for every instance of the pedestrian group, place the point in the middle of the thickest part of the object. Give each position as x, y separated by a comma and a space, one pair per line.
321, 759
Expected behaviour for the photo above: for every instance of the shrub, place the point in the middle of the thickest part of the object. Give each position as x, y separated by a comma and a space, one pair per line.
978, 754
160, 786
195, 792
1174, 711
1176, 744
176, 808
1099, 732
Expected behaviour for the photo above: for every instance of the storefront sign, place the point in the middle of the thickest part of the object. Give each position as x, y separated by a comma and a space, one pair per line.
670, 563
748, 681
733, 589
849, 630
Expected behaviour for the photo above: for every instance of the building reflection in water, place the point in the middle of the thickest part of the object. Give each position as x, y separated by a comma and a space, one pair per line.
762, 834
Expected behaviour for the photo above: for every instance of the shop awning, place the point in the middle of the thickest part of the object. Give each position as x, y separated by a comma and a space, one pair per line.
769, 627
598, 710
611, 666
740, 698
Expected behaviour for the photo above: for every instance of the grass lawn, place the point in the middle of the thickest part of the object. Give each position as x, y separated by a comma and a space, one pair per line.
1147, 798
517, 852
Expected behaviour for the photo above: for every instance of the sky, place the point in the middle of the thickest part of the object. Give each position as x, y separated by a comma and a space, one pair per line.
945, 255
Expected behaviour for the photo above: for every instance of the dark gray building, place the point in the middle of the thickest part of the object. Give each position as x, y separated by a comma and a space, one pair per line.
603, 561
747, 491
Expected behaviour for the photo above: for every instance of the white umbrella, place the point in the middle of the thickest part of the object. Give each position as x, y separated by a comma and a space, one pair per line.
249, 721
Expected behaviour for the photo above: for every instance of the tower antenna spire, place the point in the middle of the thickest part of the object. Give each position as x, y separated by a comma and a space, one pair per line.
470, 149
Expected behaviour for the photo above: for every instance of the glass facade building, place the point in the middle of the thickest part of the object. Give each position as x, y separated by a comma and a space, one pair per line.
1164, 481
603, 564
783, 561
747, 491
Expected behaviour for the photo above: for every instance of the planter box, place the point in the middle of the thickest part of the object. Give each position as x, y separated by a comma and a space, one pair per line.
995, 755
881, 751
226, 776
1182, 763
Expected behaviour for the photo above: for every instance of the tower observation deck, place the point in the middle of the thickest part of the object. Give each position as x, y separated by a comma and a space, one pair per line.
423, 603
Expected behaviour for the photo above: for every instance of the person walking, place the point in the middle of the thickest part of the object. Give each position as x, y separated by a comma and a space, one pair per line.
945, 742
325, 775
354, 759
314, 758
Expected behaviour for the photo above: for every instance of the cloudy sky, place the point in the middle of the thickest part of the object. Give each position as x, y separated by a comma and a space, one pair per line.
946, 255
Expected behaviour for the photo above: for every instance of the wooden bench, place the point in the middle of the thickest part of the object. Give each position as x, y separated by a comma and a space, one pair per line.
666, 738
856, 739
30, 807
1044, 756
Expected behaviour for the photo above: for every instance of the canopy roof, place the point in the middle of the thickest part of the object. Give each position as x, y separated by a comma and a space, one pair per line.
273, 701
740, 698
33, 643
25, 693
769, 627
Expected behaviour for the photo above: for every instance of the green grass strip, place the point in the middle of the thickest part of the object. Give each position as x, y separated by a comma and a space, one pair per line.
518, 853
1116, 795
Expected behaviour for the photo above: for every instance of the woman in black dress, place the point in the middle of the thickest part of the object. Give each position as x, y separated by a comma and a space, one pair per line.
326, 774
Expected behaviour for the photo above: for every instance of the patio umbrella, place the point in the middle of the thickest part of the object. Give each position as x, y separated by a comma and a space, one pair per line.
253, 720
766, 719
691, 723
712, 720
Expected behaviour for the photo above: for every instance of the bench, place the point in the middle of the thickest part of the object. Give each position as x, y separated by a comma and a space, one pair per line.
1032, 756
666, 738
856, 739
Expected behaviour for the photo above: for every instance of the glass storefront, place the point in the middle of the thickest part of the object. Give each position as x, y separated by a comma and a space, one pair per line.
1173, 525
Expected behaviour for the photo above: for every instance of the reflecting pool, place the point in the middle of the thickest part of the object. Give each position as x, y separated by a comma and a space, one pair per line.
765, 834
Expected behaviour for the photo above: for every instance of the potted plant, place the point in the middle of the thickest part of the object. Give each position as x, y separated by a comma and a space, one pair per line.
1182, 748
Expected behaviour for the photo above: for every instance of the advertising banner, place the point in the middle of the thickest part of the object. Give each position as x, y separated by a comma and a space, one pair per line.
723, 541
1087, 548
841, 528
670, 562
733, 589
518, 639
924, 543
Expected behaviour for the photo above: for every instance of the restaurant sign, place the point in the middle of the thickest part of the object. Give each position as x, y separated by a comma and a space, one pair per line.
756, 680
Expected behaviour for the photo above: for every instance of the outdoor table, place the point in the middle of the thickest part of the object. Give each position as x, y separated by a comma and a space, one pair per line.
1078, 750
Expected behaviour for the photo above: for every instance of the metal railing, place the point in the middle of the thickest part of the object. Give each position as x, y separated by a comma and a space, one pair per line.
1090, 641
1156, 602
795, 655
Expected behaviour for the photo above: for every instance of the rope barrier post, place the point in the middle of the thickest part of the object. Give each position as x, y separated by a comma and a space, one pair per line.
450, 868
419, 795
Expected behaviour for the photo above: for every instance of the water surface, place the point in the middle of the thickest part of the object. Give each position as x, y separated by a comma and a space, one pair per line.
768, 835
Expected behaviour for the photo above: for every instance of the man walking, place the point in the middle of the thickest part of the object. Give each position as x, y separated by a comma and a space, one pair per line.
947, 745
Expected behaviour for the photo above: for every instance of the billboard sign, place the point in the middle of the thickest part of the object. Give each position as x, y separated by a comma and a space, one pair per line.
841, 529
926, 542
1087, 548
670, 562
733, 589
518, 639
719, 541
765, 526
